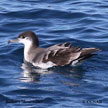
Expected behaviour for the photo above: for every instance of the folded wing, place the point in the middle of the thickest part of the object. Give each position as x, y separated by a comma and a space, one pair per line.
64, 54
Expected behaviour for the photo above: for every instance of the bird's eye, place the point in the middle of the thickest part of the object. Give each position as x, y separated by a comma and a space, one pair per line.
23, 37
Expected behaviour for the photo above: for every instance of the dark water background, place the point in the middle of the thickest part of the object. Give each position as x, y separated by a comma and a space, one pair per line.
83, 23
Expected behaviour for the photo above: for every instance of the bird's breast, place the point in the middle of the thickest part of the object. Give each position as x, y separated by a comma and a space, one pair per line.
26, 57
27, 54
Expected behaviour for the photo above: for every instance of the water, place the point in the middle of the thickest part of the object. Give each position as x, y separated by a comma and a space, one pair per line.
84, 23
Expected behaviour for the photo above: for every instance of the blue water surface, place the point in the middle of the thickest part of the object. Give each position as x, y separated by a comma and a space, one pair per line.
83, 23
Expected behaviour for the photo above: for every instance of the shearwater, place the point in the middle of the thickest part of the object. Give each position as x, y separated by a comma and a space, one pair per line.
56, 55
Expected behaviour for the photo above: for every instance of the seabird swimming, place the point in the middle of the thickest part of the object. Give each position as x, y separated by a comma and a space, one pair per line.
56, 55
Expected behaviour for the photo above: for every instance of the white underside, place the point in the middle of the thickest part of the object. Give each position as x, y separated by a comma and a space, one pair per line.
76, 63
51, 64
44, 65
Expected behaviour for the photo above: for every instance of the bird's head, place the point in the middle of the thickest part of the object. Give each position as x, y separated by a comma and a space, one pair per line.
26, 38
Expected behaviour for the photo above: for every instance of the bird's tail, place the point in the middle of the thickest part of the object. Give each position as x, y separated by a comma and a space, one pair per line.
85, 54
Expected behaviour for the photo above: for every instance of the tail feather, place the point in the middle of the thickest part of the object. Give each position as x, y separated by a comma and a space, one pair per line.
85, 54
82, 59
86, 57
87, 51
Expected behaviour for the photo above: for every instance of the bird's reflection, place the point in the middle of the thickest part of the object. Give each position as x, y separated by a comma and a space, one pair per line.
68, 71
32, 74
72, 76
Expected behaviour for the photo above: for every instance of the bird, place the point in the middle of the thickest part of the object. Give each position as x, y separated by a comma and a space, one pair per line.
61, 54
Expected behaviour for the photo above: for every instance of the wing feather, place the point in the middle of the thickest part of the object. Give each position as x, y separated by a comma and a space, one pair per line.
61, 54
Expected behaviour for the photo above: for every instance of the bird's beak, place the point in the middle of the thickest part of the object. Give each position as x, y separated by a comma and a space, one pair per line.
13, 40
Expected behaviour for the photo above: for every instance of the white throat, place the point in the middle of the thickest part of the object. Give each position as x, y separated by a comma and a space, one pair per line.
27, 47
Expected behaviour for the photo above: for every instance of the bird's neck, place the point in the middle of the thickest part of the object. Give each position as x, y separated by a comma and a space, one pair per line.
28, 51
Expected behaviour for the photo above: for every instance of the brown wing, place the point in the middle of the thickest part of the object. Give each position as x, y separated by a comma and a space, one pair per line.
86, 51
61, 54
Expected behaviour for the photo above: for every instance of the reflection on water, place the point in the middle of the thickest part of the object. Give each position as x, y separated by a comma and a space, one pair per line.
69, 71
31, 73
